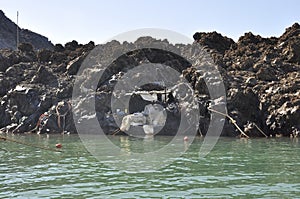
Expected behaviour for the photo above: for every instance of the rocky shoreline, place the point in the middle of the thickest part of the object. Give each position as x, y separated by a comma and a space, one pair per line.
261, 78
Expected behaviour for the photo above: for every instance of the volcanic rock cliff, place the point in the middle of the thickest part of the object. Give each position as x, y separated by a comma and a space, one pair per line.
261, 78
8, 35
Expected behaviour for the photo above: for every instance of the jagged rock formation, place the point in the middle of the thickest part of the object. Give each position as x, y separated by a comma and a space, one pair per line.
8, 32
261, 78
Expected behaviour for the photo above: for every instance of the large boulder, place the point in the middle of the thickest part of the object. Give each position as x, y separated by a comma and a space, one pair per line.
74, 65
26, 99
9, 58
213, 40
4, 85
292, 50
285, 119
44, 55
59, 48
59, 57
5, 117
290, 32
73, 45
266, 73
243, 106
17, 73
249, 38
44, 76
25, 47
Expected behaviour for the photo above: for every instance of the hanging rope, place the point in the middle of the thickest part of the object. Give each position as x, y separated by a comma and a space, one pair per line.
116, 131
28, 144
231, 119
63, 116
260, 130
40, 122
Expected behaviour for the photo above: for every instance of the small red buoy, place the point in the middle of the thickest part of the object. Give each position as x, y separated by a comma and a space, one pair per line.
58, 145
186, 138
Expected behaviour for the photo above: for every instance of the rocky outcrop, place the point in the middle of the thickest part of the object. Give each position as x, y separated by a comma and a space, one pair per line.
8, 34
270, 68
213, 40
261, 78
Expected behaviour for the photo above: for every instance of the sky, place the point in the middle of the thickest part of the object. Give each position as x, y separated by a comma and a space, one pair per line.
98, 20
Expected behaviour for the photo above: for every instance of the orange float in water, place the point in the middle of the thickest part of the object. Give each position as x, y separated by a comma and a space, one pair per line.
58, 145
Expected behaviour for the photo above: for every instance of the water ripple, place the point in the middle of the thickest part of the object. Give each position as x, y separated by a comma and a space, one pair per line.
234, 169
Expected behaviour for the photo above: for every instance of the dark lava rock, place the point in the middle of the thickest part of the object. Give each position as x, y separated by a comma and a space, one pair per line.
25, 99
261, 77
16, 71
74, 65
44, 55
266, 74
4, 85
213, 40
25, 47
290, 32
249, 38
44, 76
64, 91
73, 45
59, 48
292, 51
10, 57
286, 117
5, 117
8, 34
89, 46
58, 57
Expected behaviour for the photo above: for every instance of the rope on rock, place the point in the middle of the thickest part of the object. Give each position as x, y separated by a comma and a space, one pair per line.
260, 130
231, 119
63, 116
40, 122
28, 144
116, 131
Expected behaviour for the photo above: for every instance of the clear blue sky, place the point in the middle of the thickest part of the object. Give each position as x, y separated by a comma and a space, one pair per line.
97, 20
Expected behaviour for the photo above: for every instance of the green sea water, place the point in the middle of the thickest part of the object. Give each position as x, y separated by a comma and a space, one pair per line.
235, 168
